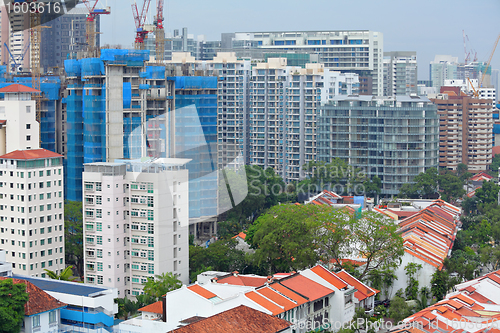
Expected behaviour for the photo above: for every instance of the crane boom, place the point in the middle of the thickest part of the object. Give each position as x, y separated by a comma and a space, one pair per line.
489, 61
92, 49
140, 20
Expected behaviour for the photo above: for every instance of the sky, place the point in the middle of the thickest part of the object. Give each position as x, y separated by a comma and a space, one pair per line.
428, 27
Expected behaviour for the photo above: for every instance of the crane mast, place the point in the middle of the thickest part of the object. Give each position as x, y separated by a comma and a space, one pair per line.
159, 32
92, 49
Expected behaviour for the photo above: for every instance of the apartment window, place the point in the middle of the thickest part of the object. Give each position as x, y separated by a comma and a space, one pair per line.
99, 240
36, 319
99, 279
28, 110
28, 126
52, 317
98, 186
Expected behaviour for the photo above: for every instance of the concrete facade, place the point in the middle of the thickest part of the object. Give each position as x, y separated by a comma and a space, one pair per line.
136, 223
400, 73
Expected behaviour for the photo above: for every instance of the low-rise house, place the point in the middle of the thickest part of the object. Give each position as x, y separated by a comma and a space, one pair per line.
241, 319
428, 239
89, 308
308, 299
42, 312
473, 306
241, 243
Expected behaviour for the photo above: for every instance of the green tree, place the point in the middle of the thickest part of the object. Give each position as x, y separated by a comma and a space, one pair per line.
399, 309
373, 186
440, 284
160, 285
425, 185
65, 275
452, 186
73, 234
13, 297
283, 237
126, 307
488, 193
495, 164
411, 290
220, 256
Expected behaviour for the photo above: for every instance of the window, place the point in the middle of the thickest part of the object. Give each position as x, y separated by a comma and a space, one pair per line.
28, 126
99, 266
99, 279
98, 186
36, 319
52, 317
98, 226
99, 253
28, 110
99, 240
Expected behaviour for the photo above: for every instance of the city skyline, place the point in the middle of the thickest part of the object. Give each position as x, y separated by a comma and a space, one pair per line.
433, 27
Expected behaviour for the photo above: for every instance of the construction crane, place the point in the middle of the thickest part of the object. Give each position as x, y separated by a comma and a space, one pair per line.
159, 32
92, 49
489, 61
140, 20
16, 66
35, 41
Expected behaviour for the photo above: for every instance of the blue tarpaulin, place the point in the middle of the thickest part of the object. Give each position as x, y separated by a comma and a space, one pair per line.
195, 82
127, 95
496, 129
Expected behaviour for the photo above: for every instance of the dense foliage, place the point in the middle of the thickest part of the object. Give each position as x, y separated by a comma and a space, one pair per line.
13, 297
73, 235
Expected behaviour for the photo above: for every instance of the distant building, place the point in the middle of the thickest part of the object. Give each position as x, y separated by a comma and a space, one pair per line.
136, 223
443, 67
359, 52
466, 130
393, 138
400, 73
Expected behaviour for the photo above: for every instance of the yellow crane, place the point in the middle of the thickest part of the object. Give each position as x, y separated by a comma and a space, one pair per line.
476, 93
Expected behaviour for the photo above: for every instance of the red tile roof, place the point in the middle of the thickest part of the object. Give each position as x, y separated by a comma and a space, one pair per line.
201, 291
277, 298
39, 301
481, 176
363, 290
31, 154
241, 235
18, 88
153, 308
242, 280
329, 277
274, 308
288, 293
306, 287
241, 319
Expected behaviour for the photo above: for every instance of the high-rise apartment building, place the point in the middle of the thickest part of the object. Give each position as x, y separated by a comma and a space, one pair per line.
15, 34
65, 35
443, 67
31, 198
136, 219
393, 138
466, 130
400, 73
284, 103
359, 52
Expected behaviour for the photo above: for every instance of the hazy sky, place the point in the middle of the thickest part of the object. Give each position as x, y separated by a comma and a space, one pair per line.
429, 27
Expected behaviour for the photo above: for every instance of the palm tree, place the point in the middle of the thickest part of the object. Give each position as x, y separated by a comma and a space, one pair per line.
64, 275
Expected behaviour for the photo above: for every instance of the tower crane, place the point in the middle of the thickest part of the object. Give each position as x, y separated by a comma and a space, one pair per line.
140, 20
489, 61
92, 49
159, 32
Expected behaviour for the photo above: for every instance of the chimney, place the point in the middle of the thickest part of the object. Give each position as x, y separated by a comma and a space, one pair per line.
235, 273
269, 279
164, 301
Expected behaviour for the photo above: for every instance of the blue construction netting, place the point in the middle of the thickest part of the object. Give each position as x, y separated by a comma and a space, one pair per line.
496, 129
127, 95
498, 106
196, 139
195, 82
92, 67
72, 67
132, 138
359, 200
128, 57
75, 157
495, 115
155, 72
144, 86
94, 118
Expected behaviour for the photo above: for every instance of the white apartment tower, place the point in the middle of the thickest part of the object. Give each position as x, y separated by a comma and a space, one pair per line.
31, 189
400, 73
232, 106
136, 222
284, 104
32, 211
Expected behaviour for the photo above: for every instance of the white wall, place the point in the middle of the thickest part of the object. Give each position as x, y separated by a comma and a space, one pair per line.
424, 275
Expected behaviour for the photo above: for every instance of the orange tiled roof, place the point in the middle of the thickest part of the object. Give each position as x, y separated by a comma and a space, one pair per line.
304, 286
242, 280
265, 303
39, 301
288, 293
241, 235
153, 308
361, 287
329, 277
241, 319
31, 154
201, 291
18, 88
277, 298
